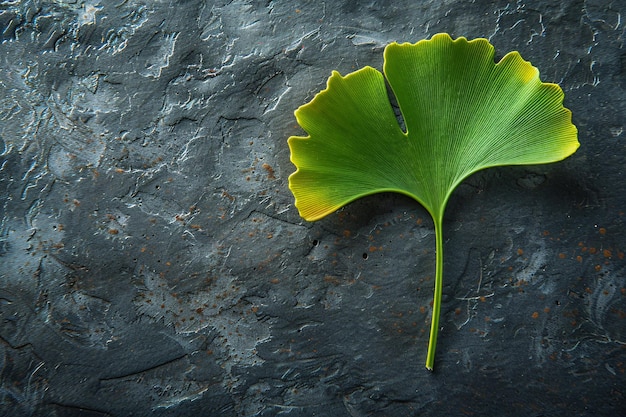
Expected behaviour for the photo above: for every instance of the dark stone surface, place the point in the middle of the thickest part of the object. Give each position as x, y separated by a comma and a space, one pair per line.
152, 262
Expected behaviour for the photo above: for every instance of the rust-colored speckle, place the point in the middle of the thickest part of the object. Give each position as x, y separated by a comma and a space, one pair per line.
602, 231
607, 253
228, 196
332, 280
270, 171
562, 255
520, 251
535, 315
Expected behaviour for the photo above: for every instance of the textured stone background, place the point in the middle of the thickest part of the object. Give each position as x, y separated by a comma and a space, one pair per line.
152, 262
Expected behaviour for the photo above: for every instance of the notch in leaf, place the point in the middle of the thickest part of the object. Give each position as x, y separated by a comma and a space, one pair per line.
462, 111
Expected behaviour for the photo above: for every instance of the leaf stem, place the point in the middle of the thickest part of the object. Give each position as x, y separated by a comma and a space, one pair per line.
434, 324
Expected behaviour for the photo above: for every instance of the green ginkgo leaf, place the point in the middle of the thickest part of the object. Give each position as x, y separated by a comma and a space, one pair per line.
462, 112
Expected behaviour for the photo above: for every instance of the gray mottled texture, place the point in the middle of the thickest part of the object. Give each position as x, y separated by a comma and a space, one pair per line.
152, 262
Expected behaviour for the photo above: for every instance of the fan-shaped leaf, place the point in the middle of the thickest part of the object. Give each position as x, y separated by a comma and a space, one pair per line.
462, 111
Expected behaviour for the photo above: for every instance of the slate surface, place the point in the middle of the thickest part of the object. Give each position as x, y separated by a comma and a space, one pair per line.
152, 262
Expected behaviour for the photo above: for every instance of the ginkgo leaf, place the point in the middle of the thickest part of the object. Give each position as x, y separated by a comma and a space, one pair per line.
462, 112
